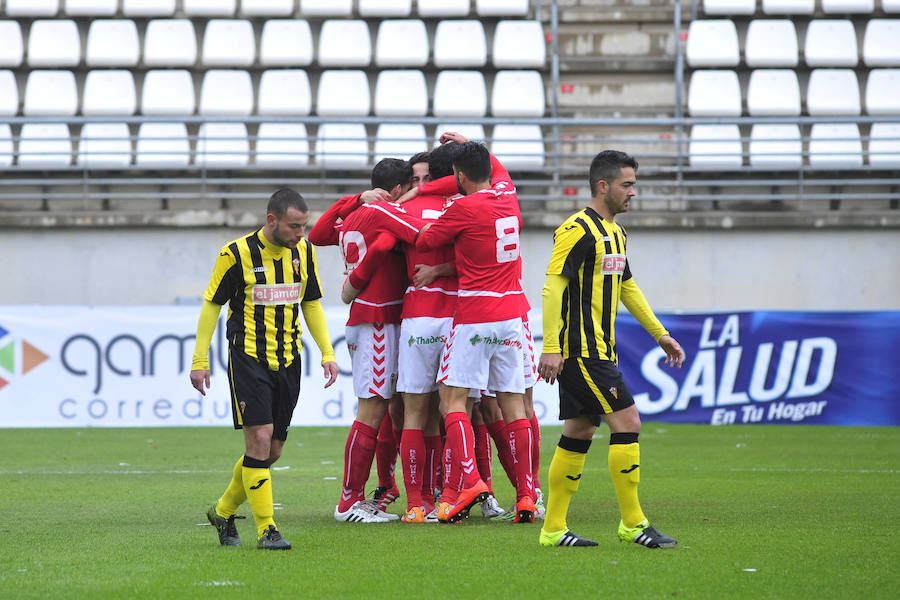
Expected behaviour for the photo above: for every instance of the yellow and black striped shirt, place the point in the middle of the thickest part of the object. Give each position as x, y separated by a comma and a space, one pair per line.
264, 284
590, 253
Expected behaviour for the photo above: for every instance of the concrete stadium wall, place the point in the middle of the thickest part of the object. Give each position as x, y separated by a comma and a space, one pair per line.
679, 270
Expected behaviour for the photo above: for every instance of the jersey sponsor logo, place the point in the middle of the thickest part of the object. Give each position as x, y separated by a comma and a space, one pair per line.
260, 269
431, 339
276, 293
613, 264
494, 341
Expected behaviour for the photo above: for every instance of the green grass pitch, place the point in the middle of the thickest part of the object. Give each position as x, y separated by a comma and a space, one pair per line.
759, 512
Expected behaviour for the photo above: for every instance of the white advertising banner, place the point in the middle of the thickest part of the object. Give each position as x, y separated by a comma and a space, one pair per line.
77, 366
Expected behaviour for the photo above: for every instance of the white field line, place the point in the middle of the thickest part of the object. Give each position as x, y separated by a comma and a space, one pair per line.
109, 472
800, 470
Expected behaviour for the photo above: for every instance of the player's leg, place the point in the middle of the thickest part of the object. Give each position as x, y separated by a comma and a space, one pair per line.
413, 453
496, 427
535, 452
518, 428
455, 406
432, 482
385, 462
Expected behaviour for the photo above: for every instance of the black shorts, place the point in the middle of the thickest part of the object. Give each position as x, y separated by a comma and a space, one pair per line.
260, 396
591, 387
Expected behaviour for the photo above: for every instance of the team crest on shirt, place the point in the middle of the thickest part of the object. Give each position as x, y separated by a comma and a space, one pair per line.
296, 263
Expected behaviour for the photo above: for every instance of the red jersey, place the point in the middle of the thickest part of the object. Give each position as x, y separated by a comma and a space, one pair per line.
484, 230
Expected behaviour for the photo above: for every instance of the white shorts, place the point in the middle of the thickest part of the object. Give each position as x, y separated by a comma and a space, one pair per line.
484, 356
528, 355
373, 357
421, 341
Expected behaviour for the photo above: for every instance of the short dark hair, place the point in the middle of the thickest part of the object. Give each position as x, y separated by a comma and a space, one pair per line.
390, 172
419, 157
440, 160
474, 160
607, 165
284, 199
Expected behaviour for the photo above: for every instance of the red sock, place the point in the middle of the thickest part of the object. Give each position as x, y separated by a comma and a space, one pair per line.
519, 432
461, 438
412, 454
483, 453
433, 479
386, 453
358, 454
452, 483
497, 429
535, 450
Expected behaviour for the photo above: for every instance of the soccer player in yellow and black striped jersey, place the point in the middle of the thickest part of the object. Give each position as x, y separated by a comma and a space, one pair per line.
267, 278
587, 277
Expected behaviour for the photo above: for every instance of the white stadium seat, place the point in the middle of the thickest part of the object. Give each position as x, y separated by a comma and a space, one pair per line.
883, 92
326, 8
832, 92
714, 93
712, 43
835, 146
54, 43
223, 146
517, 94
773, 92
881, 44
226, 92
168, 92
282, 145
890, 6
9, 94
459, 94
170, 43
519, 44
45, 145
284, 92
344, 43
112, 43
771, 43
830, 43
6, 145
228, 43
788, 7
442, 8
148, 8
401, 92
267, 8
401, 43
518, 146
342, 145
286, 43
104, 146
884, 146
399, 140
715, 147
472, 131
459, 43
385, 8
343, 93
501, 8
729, 7
848, 6
776, 147
209, 8
163, 145
32, 8
91, 8
50, 93
12, 47
109, 92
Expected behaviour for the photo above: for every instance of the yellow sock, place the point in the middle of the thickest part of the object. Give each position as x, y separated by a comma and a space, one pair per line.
625, 470
564, 477
258, 486
234, 494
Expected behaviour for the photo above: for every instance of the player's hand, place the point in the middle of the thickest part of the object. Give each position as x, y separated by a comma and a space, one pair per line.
200, 380
331, 371
550, 366
425, 274
452, 136
412, 193
374, 195
348, 292
674, 353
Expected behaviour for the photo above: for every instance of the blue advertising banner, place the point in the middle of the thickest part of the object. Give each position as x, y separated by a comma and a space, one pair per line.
768, 367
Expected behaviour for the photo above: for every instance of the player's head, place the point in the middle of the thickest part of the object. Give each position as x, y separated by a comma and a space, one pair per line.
440, 160
420, 172
472, 167
392, 175
612, 179
286, 217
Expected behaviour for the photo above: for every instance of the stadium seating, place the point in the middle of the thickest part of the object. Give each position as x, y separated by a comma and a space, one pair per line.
776, 147
104, 146
518, 44
517, 94
109, 92
54, 43
385, 8
890, 6
223, 146
267, 8
442, 8
848, 6
228, 43
208, 8
714, 93
284, 92
399, 140
773, 92
459, 43
832, 92
32, 8
501, 8
12, 47
788, 7
883, 92
9, 94
401, 93
112, 43
50, 93
326, 8
342, 145
45, 146
835, 146
168, 92
473, 131
281, 145
6, 146
226, 92
771, 43
881, 43
447, 100
163, 145
830, 43
518, 146
729, 7
343, 93
715, 147
170, 43
286, 43
713, 43
344, 43
884, 146
401, 43
148, 8
91, 8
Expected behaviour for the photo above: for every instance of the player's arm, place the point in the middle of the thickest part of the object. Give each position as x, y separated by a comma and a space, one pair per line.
359, 278
225, 282
634, 300
323, 232
444, 230
426, 274
314, 316
443, 186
